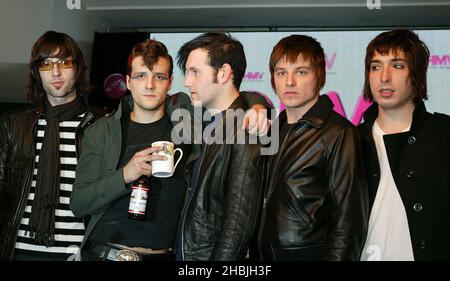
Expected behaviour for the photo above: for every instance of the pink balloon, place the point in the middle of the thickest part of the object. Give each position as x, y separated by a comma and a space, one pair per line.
115, 86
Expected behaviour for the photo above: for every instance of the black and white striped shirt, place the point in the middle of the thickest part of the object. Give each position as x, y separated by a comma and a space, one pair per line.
69, 230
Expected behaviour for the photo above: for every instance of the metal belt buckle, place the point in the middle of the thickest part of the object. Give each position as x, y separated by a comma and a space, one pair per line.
127, 255
119, 254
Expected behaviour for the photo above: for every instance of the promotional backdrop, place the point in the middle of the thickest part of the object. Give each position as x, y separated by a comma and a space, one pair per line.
345, 52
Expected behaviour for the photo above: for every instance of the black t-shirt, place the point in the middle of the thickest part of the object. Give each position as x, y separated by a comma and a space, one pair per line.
165, 199
285, 127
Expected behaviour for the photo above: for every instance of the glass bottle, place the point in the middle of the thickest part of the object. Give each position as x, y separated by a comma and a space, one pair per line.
138, 201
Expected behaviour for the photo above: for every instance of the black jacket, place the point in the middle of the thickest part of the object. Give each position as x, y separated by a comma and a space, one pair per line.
315, 203
17, 158
219, 220
420, 165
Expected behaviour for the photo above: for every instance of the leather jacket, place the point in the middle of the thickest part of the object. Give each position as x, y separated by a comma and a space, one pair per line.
17, 159
219, 219
315, 204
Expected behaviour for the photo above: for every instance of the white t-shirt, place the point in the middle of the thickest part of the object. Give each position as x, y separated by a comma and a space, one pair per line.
388, 237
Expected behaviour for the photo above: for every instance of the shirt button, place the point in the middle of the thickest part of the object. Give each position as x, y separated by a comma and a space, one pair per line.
410, 173
375, 175
411, 140
418, 207
422, 245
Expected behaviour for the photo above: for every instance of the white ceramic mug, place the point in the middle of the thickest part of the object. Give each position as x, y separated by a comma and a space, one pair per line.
165, 168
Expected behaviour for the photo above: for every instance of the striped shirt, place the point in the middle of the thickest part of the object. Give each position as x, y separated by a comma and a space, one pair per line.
69, 230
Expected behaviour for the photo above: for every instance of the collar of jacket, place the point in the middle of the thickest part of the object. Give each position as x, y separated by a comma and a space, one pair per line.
317, 115
239, 102
419, 116
126, 105
224, 120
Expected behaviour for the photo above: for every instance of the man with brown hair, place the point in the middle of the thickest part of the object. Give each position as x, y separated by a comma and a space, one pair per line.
116, 152
39, 148
407, 151
315, 199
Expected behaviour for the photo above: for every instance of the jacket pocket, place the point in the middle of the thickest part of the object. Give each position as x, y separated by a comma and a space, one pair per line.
297, 207
18, 174
205, 228
15, 171
18, 162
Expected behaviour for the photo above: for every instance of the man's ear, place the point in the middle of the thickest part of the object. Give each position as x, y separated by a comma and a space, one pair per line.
225, 74
128, 82
170, 82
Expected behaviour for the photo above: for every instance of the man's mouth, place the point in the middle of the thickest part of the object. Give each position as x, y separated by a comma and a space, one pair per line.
57, 84
386, 92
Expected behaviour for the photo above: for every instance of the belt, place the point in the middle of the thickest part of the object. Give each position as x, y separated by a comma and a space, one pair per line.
114, 252
143, 251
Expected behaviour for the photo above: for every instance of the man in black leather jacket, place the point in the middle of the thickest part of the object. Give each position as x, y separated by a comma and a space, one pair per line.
315, 200
38, 151
219, 214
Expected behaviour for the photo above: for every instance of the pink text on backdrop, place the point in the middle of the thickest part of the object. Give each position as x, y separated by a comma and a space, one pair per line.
329, 61
253, 75
437, 60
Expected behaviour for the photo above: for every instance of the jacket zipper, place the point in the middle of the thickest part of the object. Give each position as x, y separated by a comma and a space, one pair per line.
270, 191
190, 200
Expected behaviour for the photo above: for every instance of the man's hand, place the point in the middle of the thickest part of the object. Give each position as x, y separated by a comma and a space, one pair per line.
140, 164
255, 120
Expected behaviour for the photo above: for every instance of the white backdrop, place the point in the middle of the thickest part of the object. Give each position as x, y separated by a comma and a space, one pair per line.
344, 50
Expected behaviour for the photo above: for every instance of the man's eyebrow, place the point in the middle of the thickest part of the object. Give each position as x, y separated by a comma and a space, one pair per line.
392, 60
159, 73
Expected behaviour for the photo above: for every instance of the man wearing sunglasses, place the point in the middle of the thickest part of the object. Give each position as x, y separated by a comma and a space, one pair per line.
38, 155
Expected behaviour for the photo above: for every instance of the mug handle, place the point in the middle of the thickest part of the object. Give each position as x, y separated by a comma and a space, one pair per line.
181, 156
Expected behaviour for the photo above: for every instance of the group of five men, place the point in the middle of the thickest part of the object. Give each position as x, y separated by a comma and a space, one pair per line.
328, 191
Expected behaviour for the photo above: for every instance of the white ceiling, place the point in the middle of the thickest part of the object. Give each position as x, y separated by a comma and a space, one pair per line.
156, 15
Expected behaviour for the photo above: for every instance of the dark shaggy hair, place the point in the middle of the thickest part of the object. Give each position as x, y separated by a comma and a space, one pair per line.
416, 53
291, 47
60, 45
221, 48
150, 51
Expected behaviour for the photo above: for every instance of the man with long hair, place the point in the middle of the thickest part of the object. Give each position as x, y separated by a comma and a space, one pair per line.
38, 155
407, 152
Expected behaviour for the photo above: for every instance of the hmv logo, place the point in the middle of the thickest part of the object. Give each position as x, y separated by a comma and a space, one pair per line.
254, 76
329, 61
440, 61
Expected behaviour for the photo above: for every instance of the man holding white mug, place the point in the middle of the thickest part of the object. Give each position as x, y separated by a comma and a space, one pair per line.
165, 168
118, 151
